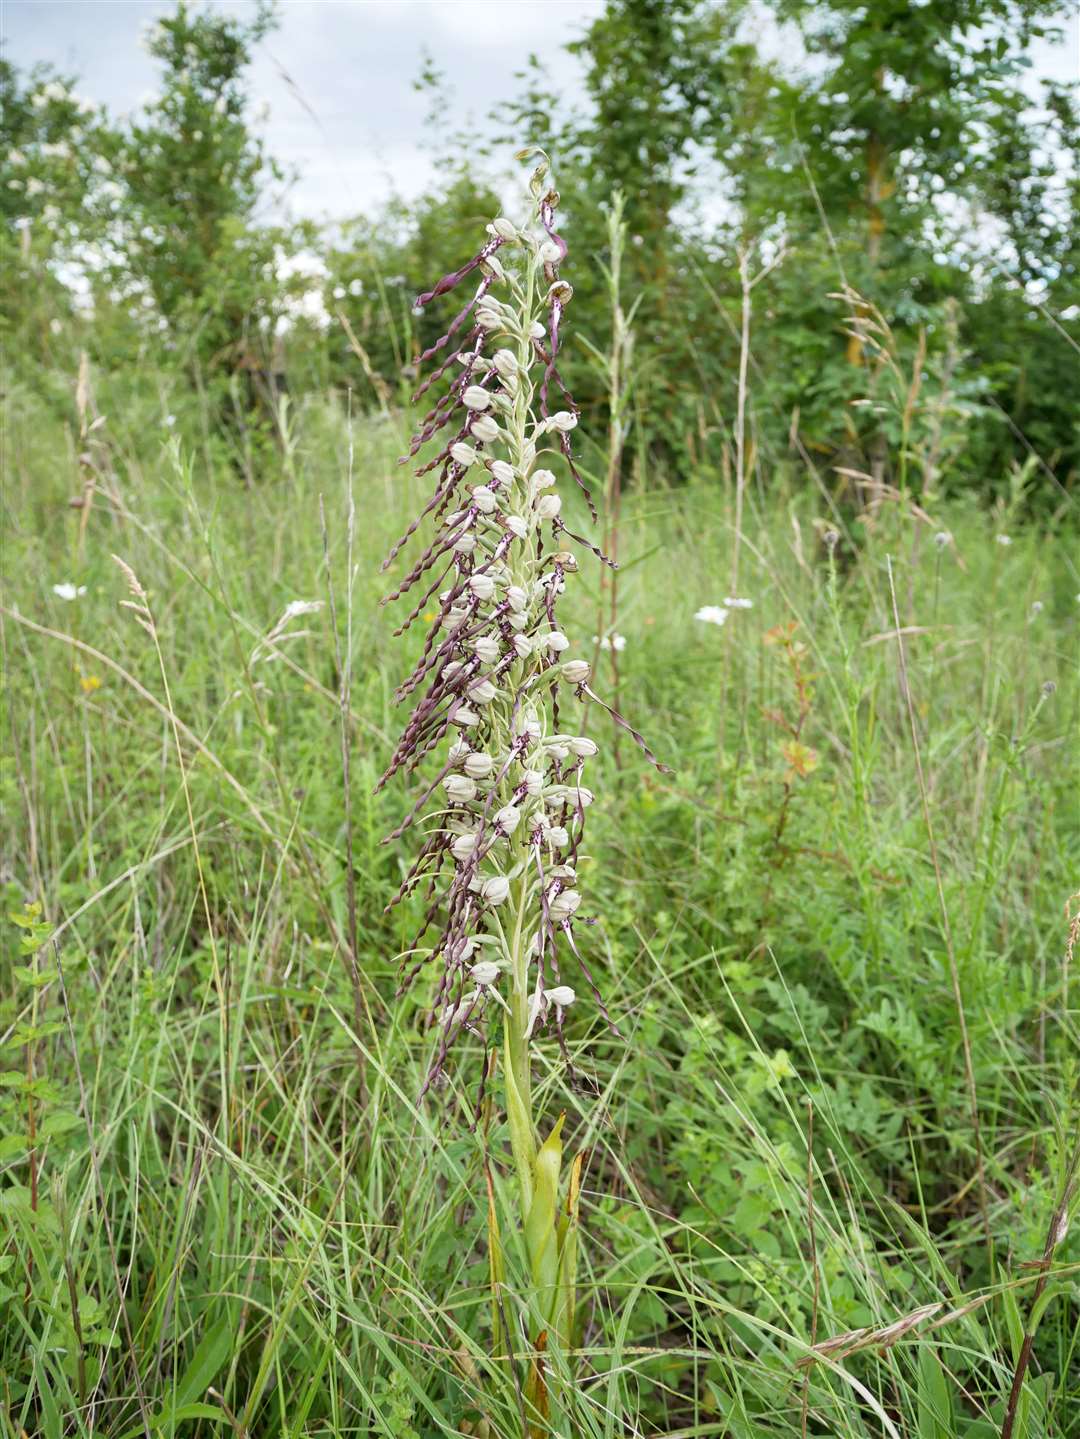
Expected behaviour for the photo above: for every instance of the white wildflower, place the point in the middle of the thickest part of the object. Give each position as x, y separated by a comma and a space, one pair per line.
711, 614
68, 591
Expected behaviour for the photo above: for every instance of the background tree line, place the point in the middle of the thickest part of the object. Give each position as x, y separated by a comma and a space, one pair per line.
907, 208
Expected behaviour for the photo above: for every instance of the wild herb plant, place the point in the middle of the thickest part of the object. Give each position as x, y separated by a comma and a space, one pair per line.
502, 809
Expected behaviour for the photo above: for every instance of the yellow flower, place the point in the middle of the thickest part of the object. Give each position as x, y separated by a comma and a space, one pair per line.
802, 760
89, 683
430, 617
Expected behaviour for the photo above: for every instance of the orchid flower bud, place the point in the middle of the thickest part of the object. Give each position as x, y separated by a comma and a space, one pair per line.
465, 545
484, 973
457, 752
582, 796
463, 846
503, 472
564, 904
482, 586
483, 692
576, 672
484, 500
508, 818
495, 890
583, 747
504, 228
548, 506
562, 995
558, 752
486, 649
478, 765
537, 331
484, 428
459, 789
516, 525
475, 398
542, 479
557, 836
533, 780
517, 622
550, 253
517, 599
465, 717
556, 641
564, 421
489, 319
522, 646
505, 361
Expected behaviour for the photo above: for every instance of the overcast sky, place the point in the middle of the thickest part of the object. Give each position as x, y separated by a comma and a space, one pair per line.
338, 74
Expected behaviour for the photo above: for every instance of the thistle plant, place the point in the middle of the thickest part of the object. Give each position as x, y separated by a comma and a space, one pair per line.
503, 802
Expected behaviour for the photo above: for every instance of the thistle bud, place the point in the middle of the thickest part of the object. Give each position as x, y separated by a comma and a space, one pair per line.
576, 672
476, 398
564, 904
482, 586
462, 453
548, 506
478, 765
495, 890
484, 973
459, 789
484, 500
508, 818
582, 746
484, 428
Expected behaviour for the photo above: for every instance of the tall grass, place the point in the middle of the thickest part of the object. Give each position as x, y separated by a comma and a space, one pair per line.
242, 1222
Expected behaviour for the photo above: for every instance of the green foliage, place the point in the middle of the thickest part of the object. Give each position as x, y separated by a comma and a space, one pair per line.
786, 1152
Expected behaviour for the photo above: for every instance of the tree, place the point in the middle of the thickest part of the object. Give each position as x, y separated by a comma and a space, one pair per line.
195, 172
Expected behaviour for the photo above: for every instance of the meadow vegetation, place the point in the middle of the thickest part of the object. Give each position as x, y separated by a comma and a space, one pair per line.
831, 1161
